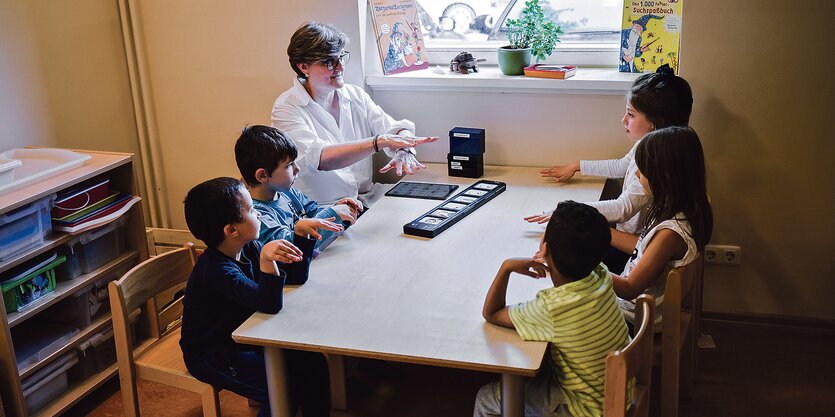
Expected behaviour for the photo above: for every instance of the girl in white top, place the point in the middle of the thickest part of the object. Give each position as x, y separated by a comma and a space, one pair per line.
336, 126
654, 101
679, 219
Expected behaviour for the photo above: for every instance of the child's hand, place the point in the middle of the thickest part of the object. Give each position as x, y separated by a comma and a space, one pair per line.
561, 173
310, 227
346, 213
539, 218
525, 266
279, 251
355, 205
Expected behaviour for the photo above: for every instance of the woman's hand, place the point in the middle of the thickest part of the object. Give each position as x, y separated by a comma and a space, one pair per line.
403, 161
561, 173
391, 141
278, 251
311, 227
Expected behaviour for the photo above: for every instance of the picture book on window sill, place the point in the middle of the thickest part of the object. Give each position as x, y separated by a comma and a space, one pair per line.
651, 35
398, 34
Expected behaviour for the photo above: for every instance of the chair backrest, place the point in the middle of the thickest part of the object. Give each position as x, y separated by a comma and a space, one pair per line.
139, 288
632, 362
165, 240
680, 295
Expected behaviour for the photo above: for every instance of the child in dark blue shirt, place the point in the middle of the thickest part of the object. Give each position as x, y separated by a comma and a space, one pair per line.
235, 277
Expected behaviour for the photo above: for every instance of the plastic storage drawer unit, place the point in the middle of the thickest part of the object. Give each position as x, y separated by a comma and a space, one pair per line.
94, 355
48, 383
25, 227
29, 282
7, 167
91, 250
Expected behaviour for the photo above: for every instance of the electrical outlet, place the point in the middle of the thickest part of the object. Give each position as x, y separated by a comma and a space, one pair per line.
723, 255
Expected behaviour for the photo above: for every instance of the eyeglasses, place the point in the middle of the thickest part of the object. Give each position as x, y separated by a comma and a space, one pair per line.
333, 62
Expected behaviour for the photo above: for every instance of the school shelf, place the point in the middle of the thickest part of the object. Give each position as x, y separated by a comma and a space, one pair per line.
378, 293
119, 168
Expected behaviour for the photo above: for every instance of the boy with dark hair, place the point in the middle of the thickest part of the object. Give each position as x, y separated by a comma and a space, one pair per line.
235, 277
579, 316
266, 159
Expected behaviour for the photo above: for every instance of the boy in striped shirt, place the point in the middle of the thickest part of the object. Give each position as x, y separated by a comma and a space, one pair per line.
579, 316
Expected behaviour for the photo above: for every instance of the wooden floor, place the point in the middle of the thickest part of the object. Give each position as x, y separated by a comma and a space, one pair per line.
752, 372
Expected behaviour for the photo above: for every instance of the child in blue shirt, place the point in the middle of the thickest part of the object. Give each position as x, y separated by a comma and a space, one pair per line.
266, 159
235, 277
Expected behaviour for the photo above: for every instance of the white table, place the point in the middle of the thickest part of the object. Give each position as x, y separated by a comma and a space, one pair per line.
378, 293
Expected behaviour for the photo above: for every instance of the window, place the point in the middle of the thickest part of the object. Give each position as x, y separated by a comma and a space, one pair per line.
592, 28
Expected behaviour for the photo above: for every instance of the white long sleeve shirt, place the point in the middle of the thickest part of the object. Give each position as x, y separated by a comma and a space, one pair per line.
312, 128
629, 208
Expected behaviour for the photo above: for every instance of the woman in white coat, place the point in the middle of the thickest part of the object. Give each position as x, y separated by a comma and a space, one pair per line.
336, 126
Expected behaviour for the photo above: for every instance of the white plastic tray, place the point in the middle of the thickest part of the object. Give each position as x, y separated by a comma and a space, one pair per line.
40, 163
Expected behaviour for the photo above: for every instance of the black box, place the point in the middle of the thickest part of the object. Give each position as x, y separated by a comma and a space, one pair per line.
470, 166
466, 141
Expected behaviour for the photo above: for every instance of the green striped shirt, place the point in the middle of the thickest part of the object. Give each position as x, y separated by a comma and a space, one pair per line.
582, 322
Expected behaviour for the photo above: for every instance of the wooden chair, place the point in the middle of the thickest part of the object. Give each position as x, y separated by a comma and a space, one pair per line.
159, 358
166, 240
633, 361
678, 341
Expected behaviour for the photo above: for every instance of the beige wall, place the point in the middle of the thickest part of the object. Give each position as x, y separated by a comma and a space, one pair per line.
64, 80
760, 76
216, 66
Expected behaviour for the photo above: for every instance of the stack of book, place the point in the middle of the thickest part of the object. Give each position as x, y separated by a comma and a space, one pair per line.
550, 71
89, 205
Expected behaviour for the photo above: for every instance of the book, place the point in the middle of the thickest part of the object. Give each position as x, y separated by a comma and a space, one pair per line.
398, 35
651, 35
550, 71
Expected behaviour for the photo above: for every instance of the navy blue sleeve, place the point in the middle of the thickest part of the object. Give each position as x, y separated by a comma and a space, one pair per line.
263, 292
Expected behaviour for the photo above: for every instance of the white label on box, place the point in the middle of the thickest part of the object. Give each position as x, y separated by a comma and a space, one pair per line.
460, 158
461, 135
455, 164
458, 167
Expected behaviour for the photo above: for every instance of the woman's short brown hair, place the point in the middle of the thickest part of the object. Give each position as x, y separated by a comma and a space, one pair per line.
314, 42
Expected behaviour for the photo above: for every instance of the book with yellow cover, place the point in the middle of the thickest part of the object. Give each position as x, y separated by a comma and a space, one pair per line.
399, 38
651, 35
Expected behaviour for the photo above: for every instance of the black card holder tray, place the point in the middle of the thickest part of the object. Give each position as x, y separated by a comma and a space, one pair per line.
451, 211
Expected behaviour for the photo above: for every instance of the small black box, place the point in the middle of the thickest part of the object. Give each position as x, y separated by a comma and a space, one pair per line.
466, 141
470, 166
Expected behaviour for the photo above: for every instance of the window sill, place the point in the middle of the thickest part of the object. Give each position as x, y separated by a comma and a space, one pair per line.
606, 81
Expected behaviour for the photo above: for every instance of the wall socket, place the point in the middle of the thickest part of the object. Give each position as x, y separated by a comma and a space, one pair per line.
723, 255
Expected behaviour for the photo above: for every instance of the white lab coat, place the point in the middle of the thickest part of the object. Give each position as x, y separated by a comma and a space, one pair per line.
312, 128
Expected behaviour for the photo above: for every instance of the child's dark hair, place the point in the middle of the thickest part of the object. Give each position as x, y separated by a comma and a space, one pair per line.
577, 237
211, 205
262, 147
673, 163
663, 97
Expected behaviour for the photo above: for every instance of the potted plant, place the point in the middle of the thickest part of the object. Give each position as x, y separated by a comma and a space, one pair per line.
532, 34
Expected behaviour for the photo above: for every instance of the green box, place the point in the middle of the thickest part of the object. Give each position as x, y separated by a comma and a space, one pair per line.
29, 284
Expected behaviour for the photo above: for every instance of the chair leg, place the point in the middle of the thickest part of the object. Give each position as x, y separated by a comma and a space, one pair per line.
669, 387
339, 395
211, 402
688, 365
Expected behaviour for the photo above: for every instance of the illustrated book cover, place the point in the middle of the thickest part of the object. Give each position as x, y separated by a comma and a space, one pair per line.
651, 35
398, 34
560, 72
